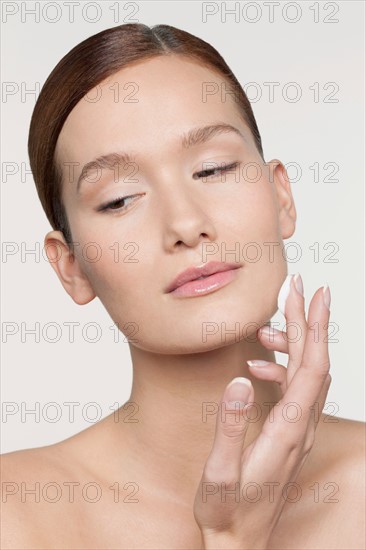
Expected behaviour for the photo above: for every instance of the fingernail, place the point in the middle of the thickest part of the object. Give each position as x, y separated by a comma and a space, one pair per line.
235, 404
326, 295
269, 332
283, 294
298, 284
257, 363
237, 392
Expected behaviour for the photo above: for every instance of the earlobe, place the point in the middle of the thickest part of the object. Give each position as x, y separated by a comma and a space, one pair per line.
286, 204
68, 269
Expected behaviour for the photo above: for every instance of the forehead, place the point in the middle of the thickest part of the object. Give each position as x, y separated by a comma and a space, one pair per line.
145, 106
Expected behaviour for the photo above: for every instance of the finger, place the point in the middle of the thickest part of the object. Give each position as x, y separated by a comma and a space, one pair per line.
231, 427
267, 370
315, 413
296, 325
273, 339
308, 381
320, 402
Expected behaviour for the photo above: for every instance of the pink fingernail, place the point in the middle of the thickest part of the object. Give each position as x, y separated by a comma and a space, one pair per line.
283, 294
269, 331
257, 363
298, 284
326, 295
237, 391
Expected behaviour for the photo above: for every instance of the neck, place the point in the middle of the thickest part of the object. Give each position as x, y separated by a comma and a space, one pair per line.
175, 399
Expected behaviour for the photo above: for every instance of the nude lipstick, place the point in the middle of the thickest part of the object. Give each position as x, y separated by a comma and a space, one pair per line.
198, 281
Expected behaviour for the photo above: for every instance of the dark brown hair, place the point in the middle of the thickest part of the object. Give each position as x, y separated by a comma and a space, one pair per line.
83, 68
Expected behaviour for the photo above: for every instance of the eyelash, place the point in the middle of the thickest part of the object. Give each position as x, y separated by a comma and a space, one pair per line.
108, 206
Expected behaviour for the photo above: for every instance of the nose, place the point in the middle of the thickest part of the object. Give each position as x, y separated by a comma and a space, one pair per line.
185, 219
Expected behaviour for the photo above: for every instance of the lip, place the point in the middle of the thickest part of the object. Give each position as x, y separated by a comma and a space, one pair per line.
217, 274
199, 287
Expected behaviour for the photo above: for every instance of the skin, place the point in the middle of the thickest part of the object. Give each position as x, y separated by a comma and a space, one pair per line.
174, 370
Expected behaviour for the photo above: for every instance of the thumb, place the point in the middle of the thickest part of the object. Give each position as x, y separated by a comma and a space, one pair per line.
231, 427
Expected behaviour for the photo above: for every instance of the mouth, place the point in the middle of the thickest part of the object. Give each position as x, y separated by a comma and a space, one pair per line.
198, 281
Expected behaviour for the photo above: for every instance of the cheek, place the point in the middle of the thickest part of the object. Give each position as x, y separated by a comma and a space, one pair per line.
119, 287
108, 272
249, 215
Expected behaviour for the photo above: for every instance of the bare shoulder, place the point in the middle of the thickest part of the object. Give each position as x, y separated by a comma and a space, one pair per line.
328, 510
31, 479
343, 440
339, 450
36, 464
341, 464
43, 487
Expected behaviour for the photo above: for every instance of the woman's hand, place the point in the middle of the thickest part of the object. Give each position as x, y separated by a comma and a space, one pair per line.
239, 499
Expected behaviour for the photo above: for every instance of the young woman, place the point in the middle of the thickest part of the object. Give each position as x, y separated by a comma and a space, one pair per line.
216, 446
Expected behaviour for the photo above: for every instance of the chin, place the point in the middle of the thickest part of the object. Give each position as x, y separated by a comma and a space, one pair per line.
196, 338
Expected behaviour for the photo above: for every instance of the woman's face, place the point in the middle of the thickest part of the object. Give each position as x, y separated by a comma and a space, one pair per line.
173, 217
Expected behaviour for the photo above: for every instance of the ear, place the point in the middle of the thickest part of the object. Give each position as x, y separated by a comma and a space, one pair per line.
286, 205
68, 269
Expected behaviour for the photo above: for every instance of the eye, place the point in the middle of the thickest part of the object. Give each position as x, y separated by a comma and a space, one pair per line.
113, 205
212, 172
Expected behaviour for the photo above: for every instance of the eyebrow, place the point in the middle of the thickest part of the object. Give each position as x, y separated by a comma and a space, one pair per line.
193, 137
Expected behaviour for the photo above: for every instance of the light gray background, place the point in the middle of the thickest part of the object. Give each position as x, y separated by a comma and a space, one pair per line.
303, 132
